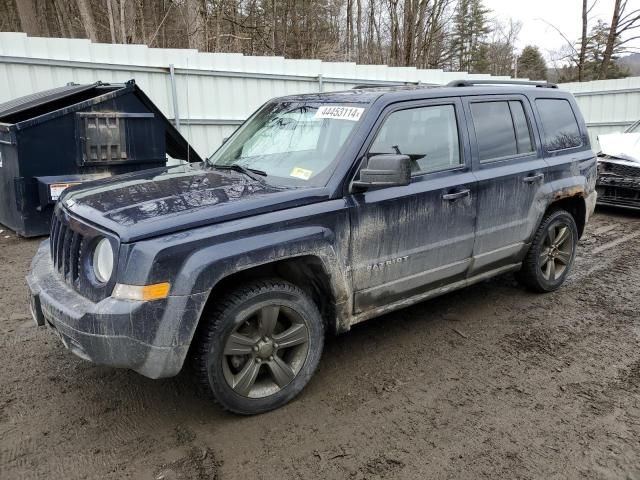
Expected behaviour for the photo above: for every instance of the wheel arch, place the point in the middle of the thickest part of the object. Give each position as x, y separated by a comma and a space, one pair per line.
577, 208
308, 272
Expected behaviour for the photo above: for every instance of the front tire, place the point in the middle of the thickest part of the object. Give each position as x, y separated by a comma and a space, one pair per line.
259, 347
552, 252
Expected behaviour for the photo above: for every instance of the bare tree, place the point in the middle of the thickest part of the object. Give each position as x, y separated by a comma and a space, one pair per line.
86, 14
445, 34
112, 22
196, 22
28, 17
621, 22
583, 38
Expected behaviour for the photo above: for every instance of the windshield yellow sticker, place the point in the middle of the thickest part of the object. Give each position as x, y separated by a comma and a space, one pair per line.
301, 173
339, 113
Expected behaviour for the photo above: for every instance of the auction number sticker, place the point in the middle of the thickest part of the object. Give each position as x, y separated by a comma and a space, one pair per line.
340, 113
56, 189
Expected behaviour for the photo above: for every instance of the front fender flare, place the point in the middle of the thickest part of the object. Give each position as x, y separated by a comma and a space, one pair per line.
205, 268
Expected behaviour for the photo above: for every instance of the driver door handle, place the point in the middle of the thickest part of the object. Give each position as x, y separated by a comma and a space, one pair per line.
456, 195
533, 178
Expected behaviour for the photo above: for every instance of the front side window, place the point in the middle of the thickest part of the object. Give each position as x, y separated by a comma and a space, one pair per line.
501, 129
560, 126
428, 135
294, 143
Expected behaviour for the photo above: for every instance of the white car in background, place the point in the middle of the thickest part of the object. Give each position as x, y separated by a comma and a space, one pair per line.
619, 168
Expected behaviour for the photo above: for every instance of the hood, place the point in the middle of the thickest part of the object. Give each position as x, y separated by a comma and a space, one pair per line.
621, 145
165, 200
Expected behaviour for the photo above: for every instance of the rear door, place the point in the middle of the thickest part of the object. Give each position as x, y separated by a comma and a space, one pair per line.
510, 169
407, 240
565, 141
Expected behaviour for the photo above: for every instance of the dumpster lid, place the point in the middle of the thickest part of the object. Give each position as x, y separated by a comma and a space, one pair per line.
176, 145
29, 101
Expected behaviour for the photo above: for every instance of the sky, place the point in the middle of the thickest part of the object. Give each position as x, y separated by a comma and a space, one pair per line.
566, 15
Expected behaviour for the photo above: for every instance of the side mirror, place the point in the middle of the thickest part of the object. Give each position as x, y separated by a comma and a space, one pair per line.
385, 171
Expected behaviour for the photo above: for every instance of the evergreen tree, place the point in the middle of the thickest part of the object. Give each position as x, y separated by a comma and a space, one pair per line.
531, 64
596, 46
470, 28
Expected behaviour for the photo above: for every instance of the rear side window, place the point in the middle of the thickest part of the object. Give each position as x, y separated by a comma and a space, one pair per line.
502, 129
560, 126
523, 134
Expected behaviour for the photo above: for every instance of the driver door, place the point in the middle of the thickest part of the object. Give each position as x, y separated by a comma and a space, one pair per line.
408, 240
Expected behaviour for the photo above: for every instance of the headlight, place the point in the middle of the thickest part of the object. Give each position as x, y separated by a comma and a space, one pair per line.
103, 260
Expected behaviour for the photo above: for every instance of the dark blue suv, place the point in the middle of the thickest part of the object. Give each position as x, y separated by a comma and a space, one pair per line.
320, 212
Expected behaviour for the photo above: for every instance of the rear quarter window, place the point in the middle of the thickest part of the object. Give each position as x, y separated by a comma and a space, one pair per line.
561, 130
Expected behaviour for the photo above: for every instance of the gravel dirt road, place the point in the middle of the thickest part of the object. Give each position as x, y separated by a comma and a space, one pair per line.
487, 382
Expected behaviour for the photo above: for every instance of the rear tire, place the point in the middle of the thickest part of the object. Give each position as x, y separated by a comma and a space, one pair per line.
259, 347
552, 252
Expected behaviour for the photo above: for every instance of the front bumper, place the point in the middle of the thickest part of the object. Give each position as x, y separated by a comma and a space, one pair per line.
619, 192
151, 338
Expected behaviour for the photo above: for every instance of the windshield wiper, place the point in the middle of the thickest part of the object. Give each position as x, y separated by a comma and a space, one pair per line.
250, 172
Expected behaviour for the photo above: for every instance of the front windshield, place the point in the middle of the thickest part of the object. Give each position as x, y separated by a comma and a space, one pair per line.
294, 143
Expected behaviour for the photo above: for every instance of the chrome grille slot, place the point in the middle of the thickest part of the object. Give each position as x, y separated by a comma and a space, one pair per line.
76, 245
62, 231
66, 251
55, 225
66, 248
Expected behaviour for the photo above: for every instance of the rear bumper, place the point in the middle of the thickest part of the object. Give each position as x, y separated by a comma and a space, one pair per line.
151, 338
590, 203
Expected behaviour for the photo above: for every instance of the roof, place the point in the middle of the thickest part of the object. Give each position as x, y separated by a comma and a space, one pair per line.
367, 94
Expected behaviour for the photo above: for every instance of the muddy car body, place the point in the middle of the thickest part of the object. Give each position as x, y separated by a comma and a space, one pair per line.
619, 168
420, 191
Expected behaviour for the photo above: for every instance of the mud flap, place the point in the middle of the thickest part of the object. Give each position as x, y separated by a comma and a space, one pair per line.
590, 204
36, 310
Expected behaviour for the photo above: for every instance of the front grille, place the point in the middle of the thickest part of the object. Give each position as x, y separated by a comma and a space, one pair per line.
66, 246
620, 170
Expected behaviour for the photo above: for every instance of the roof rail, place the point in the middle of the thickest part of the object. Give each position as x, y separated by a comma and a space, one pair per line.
471, 83
378, 85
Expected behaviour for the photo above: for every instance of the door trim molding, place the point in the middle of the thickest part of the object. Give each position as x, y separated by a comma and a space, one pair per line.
400, 288
376, 312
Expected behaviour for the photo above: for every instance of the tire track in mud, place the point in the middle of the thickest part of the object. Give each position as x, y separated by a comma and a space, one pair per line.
598, 303
403, 396
603, 285
605, 246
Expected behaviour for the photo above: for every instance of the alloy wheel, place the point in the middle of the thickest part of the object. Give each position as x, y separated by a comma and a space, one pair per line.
265, 351
557, 251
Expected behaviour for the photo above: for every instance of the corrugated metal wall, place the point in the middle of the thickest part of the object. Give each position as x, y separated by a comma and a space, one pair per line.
214, 92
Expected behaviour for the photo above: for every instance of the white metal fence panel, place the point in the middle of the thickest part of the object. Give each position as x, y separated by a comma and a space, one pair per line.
215, 92
607, 105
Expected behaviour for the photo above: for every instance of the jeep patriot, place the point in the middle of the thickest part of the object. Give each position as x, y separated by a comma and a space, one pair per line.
319, 212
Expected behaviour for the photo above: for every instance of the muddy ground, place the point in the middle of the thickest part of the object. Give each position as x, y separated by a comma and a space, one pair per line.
488, 382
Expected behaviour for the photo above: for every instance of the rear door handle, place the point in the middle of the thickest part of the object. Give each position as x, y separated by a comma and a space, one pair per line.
533, 178
456, 195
